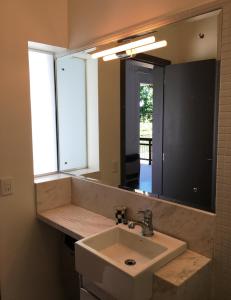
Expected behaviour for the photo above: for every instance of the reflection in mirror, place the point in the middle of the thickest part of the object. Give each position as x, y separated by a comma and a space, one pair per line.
158, 113
77, 113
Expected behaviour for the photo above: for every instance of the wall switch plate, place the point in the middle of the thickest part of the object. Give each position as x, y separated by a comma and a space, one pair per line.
6, 186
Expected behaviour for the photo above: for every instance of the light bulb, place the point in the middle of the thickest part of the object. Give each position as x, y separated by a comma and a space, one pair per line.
138, 43
146, 48
134, 51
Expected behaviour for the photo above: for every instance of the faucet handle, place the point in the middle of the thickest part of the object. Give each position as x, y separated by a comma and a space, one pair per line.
121, 214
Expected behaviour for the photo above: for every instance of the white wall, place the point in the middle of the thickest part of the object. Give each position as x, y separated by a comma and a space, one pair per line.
28, 257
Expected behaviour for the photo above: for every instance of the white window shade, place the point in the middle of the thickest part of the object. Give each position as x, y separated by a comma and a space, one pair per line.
42, 92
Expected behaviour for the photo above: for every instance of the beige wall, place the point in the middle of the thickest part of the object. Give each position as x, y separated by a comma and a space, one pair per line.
109, 121
184, 44
28, 257
93, 19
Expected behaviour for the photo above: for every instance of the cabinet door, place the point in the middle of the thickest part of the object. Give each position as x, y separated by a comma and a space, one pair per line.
94, 289
85, 295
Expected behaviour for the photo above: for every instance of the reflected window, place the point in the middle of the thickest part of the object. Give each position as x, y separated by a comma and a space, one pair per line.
146, 115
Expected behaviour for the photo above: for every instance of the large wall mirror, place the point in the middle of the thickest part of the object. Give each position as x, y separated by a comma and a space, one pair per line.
158, 112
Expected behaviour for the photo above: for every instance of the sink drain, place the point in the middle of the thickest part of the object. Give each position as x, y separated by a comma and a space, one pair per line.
130, 262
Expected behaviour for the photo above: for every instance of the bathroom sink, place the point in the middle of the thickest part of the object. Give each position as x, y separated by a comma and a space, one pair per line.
121, 261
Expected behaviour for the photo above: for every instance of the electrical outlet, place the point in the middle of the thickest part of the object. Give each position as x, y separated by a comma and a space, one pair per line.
6, 186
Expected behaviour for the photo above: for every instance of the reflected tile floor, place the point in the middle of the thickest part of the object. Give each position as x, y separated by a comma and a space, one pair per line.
145, 178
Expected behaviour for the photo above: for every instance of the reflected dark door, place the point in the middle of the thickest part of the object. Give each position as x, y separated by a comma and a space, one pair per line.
143, 70
135, 73
188, 152
157, 131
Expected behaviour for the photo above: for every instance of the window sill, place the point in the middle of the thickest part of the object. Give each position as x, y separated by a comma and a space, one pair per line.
51, 177
82, 172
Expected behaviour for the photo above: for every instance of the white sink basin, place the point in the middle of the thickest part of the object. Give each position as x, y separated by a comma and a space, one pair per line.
103, 259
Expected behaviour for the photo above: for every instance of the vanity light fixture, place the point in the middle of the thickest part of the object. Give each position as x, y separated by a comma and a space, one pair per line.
115, 56
146, 48
124, 47
134, 51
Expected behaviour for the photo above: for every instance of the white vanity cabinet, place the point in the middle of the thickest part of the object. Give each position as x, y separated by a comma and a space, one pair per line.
90, 291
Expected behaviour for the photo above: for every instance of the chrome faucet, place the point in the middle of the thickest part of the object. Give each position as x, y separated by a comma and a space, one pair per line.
146, 224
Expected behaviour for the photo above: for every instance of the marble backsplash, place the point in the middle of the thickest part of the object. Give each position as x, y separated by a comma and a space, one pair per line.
194, 226
52, 192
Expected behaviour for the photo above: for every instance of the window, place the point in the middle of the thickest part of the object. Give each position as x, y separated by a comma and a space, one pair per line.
64, 109
43, 112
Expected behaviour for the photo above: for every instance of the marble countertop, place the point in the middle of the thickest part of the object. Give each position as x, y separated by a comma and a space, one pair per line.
75, 221
179, 270
78, 223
